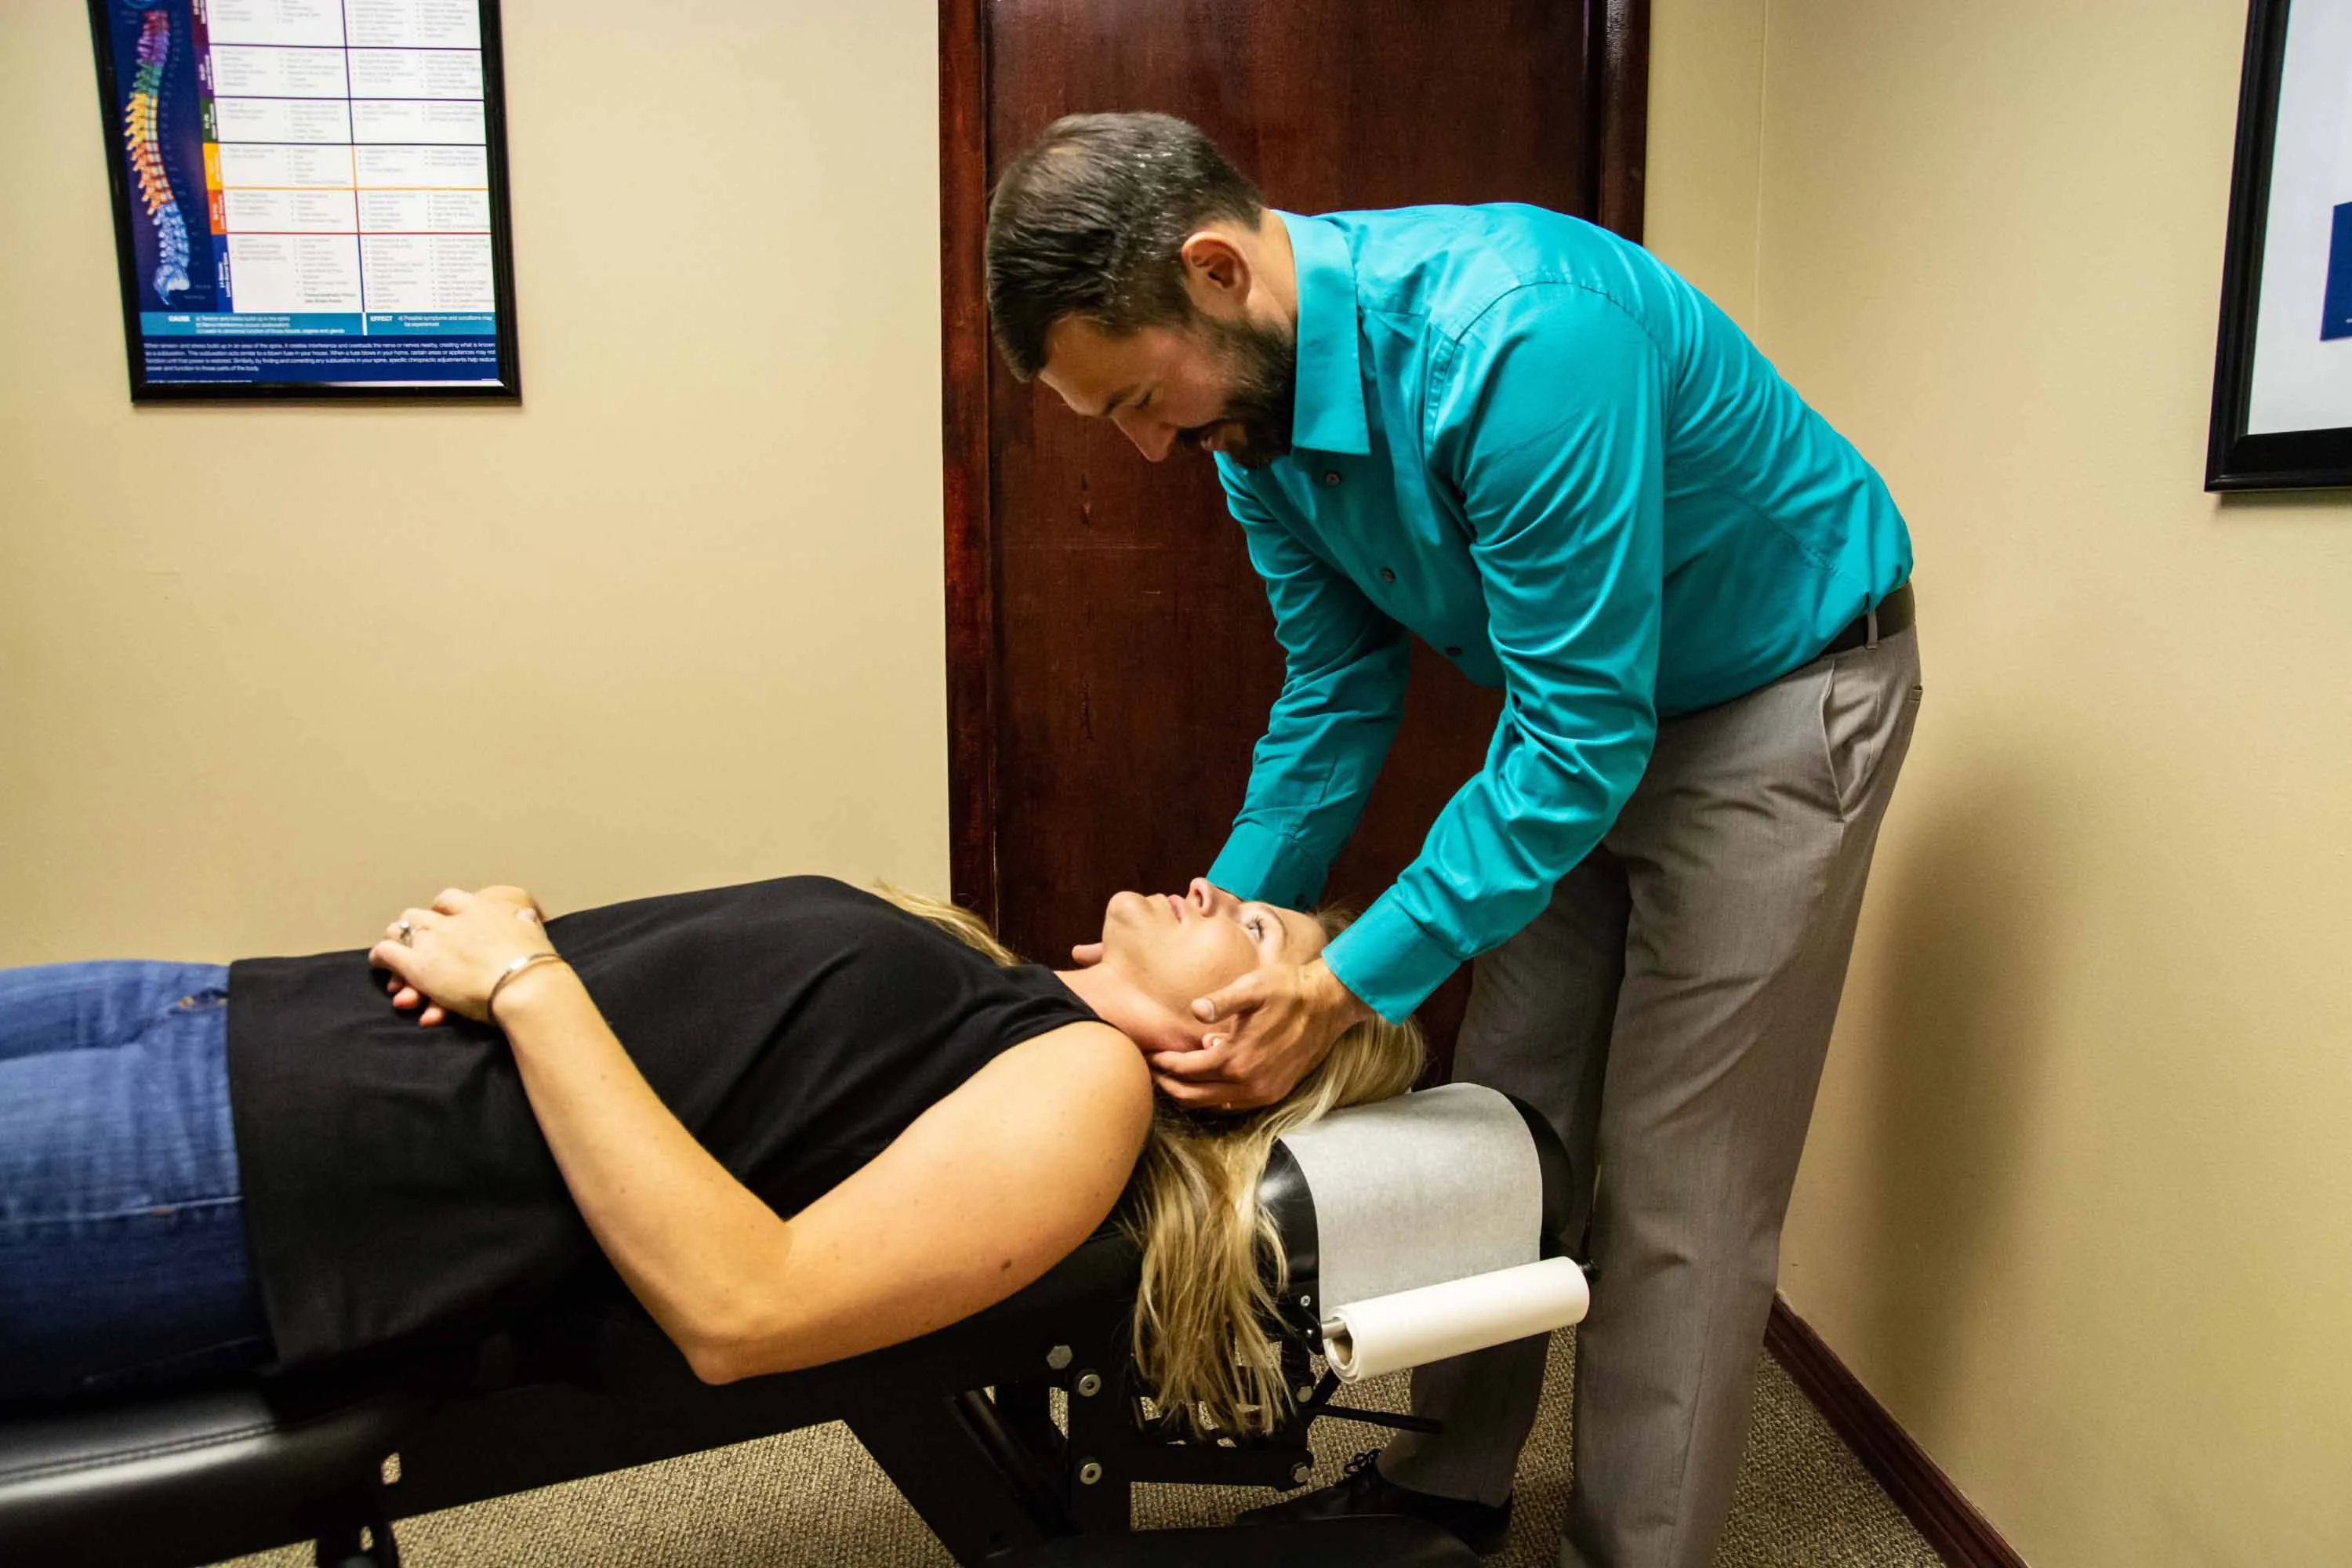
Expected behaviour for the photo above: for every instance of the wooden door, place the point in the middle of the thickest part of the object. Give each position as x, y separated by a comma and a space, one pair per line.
1111, 658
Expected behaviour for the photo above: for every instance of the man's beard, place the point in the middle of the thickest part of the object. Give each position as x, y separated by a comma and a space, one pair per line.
1264, 364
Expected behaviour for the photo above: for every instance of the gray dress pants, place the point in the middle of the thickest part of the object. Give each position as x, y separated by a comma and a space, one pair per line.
1669, 1012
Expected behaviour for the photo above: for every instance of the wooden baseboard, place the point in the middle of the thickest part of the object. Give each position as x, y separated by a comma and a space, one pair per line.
1961, 1536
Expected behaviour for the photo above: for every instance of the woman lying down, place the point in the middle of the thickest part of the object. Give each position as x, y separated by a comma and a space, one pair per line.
206, 1167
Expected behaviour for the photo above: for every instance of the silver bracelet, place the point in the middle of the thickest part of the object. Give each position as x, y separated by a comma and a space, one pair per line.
527, 961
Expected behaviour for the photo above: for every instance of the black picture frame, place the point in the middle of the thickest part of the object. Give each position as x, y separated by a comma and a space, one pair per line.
2235, 459
508, 388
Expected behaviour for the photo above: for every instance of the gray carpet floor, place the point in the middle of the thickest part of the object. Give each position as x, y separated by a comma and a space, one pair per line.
814, 1499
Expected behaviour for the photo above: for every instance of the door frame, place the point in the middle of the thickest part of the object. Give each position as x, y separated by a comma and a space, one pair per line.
1617, 58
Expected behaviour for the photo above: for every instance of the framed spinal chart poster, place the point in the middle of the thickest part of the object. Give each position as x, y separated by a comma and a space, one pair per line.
2282, 372
310, 196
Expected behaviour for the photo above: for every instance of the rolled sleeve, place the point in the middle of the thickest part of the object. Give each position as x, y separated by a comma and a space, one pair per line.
1546, 420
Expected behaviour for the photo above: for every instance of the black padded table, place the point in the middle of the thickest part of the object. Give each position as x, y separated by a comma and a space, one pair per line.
188, 1478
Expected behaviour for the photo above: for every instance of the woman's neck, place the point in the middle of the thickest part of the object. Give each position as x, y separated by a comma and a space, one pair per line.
1125, 1006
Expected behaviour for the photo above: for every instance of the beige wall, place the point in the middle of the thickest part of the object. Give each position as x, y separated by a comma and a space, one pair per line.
267, 674
2078, 1202
1706, 111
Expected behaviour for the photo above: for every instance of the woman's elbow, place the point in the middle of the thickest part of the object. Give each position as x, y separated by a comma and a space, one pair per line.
714, 1366
714, 1353
731, 1346
725, 1357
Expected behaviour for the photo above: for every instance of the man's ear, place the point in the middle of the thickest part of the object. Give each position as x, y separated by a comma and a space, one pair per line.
1214, 269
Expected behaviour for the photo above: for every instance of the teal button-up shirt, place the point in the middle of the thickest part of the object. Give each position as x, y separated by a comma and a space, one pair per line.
1530, 444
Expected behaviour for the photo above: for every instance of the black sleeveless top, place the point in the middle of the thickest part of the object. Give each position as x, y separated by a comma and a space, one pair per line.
396, 1182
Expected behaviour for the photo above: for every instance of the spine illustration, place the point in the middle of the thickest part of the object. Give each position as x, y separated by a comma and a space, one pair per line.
139, 135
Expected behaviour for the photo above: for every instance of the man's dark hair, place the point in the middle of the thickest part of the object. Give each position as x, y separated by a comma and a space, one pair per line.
1088, 223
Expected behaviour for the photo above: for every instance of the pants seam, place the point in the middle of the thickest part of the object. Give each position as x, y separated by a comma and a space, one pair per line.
143, 1211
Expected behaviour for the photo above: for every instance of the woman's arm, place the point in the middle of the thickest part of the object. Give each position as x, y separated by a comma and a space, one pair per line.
985, 1192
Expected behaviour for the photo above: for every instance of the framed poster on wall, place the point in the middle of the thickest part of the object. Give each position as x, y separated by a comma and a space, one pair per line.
2282, 373
310, 196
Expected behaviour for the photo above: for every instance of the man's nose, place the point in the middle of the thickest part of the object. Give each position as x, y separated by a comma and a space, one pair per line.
1153, 437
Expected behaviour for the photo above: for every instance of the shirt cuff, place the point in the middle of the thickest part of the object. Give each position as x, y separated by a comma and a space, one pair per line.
1260, 864
1389, 960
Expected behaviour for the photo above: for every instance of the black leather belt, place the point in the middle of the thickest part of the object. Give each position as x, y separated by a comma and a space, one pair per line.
1893, 613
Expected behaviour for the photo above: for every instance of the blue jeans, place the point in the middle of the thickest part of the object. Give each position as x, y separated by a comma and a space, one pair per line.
123, 1251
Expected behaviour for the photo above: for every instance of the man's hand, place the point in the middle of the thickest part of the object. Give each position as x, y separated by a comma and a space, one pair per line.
1274, 1025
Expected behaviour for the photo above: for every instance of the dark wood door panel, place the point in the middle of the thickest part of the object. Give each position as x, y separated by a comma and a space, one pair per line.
1133, 654
1325, 103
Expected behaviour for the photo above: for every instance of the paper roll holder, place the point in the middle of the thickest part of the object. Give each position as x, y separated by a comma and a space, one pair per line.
1283, 1192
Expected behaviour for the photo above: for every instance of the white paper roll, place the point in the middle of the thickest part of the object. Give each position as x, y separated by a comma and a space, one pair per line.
1413, 1328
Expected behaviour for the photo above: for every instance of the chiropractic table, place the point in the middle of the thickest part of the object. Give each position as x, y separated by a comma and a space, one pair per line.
961, 1420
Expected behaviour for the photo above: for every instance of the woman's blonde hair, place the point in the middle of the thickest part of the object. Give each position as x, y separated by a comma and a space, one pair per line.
1212, 1260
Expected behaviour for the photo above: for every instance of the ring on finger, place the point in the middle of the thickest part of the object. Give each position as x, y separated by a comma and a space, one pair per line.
406, 933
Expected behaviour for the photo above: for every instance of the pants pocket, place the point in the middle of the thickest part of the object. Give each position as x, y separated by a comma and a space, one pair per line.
1866, 701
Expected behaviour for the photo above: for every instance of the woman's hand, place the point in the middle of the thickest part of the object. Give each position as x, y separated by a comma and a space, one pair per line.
446, 958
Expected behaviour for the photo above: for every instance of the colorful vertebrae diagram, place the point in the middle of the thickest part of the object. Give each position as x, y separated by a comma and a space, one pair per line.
140, 118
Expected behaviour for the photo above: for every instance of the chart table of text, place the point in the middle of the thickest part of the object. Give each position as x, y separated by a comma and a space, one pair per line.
346, 172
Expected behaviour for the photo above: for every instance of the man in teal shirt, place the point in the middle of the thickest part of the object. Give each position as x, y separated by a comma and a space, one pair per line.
1532, 444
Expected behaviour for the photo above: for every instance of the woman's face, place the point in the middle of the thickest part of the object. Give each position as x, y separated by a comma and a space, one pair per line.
1174, 947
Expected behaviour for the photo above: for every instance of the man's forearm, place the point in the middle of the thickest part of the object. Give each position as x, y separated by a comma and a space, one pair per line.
1312, 773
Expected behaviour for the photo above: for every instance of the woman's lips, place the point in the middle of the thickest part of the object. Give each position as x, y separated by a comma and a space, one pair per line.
1176, 903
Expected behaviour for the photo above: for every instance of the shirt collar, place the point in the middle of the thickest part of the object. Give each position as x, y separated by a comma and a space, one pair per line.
1328, 414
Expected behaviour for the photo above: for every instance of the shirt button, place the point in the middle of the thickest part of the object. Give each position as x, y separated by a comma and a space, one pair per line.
1452, 652
1387, 575
1331, 478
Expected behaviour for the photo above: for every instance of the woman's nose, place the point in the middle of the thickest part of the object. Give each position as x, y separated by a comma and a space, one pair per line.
1204, 893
